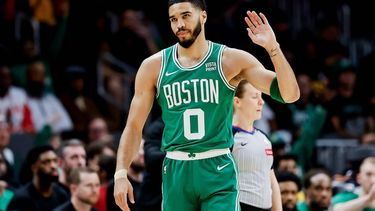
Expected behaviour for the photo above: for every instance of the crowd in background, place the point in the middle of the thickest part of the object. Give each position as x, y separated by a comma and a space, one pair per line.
67, 70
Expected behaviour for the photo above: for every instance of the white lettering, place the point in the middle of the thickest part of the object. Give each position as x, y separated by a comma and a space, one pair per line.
191, 91
185, 90
176, 90
168, 96
204, 90
214, 91
195, 89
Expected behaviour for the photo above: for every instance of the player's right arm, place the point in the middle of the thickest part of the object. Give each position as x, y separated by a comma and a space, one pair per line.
145, 86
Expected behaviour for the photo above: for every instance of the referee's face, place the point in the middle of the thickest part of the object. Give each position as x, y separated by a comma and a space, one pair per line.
250, 105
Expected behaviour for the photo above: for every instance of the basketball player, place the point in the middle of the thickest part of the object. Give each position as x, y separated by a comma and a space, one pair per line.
194, 83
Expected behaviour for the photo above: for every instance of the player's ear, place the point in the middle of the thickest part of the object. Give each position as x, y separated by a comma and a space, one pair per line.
203, 17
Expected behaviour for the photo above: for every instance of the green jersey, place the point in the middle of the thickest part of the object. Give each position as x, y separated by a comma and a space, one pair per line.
196, 102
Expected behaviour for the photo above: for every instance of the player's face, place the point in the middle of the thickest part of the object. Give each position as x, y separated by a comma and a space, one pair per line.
251, 104
186, 22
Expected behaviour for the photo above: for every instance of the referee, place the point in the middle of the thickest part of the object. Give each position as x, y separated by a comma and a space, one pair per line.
259, 189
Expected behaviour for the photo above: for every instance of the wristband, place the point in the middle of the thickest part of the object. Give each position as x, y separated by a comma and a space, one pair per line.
122, 173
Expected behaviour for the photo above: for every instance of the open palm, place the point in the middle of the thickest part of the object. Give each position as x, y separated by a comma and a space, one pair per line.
259, 31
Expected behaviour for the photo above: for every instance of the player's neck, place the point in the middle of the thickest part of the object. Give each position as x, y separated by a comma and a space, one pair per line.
196, 51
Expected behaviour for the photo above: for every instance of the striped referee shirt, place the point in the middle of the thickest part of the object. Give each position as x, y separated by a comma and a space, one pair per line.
253, 154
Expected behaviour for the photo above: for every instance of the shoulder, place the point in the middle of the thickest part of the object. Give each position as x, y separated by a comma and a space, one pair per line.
17, 91
236, 55
153, 61
59, 190
150, 69
235, 130
262, 133
21, 198
235, 61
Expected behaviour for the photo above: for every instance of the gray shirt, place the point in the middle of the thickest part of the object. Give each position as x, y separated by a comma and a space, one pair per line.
253, 154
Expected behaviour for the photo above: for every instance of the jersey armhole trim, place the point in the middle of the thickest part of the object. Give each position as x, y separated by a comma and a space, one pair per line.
220, 69
161, 73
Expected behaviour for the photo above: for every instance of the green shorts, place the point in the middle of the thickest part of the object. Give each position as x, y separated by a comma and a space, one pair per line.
208, 184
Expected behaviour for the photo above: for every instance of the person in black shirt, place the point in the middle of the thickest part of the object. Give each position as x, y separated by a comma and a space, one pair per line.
42, 193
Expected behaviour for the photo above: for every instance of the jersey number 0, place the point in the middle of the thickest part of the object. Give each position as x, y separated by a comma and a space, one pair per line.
200, 123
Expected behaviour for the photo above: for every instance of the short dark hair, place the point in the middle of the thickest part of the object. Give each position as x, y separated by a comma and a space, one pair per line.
197, 3
35, 153
285, 176
288, 156
31, 158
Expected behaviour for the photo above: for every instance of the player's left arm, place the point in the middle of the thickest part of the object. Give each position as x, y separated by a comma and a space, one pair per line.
285, 85
276, 195
279, 84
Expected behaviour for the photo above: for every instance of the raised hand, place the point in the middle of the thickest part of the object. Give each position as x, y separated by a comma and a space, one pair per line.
259, 31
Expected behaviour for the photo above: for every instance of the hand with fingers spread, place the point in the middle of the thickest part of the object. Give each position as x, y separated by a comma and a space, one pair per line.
260, 31
122, 191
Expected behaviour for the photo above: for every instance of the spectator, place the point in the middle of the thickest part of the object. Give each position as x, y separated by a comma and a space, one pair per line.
46, 108
107, 167
317, 185
363, 198
288, 163
72, 155
84, 186
305, 107
150, 197
42, 193
290, 185
13, 103
80, 106
135, 176
97, 149
346, 113
6, 183
98, 131
135, 40
4, 141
